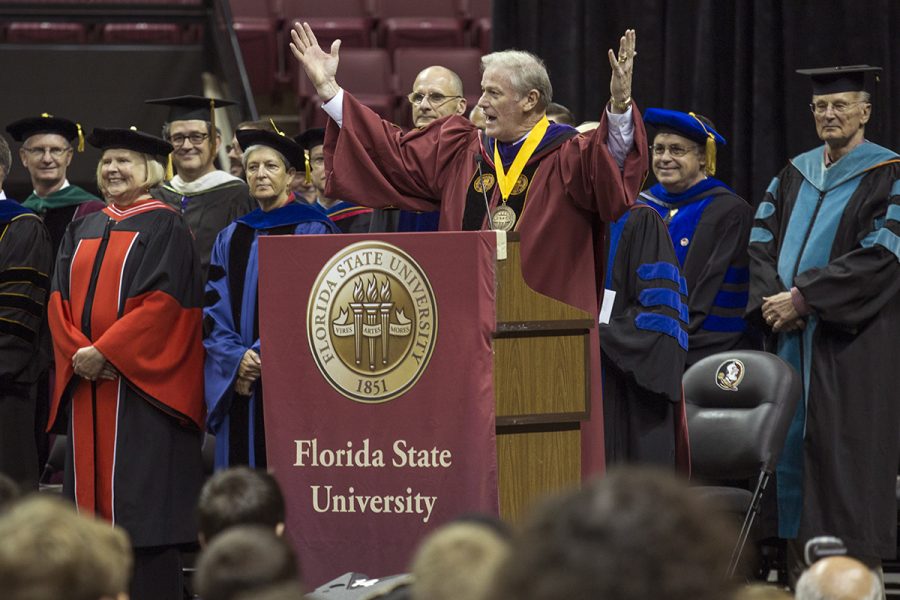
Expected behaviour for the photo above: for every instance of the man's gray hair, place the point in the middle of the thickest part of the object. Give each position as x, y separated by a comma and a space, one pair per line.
5, 159
526, 72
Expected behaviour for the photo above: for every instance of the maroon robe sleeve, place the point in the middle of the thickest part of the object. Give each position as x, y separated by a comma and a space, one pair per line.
592, 179
369, 161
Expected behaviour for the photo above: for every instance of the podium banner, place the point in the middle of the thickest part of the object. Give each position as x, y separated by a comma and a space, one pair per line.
377, 373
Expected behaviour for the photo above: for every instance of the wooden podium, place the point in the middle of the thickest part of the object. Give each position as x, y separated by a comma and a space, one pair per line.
541, 386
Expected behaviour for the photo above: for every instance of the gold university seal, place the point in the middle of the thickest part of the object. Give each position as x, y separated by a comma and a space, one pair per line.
372, 321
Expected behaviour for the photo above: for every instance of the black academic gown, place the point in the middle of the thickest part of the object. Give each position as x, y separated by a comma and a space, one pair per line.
709, 225
25, 262
834, 233
645, 342
208, 212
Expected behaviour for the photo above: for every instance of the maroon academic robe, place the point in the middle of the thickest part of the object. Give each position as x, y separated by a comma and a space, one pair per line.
575, 188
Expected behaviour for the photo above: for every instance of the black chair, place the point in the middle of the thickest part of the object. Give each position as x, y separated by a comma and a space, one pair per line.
739, 407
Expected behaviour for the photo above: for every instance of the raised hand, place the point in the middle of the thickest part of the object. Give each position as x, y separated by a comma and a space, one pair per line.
320, 66
622, 64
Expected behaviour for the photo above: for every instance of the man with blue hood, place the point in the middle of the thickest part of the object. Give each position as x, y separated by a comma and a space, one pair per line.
709, 225
825, 283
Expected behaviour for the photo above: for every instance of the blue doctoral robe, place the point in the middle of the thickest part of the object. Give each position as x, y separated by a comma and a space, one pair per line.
834, 234
231, 320
710, 225
644, 343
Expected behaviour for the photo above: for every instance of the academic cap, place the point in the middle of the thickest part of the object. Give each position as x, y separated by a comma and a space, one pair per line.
130, 139
277, 141
308, 140
691, 127
191, 108
833, 80
23, 129
311, 138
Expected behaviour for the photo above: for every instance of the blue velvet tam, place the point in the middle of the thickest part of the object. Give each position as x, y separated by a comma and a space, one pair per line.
683, 124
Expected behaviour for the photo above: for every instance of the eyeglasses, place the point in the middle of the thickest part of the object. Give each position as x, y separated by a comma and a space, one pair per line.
674, 150
434, 98
839, 107
55, 151
195, 138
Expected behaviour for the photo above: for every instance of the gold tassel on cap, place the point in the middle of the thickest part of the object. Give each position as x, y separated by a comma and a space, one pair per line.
308, 178
275, 127
710, 148
80, 137
170, 170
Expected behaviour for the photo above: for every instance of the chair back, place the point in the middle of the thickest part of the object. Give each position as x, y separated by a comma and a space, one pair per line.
739, 406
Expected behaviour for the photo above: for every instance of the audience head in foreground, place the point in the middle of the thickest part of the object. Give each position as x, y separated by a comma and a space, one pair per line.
458, 561
50, 552
638, 533
244, 559
239, 496
838, 578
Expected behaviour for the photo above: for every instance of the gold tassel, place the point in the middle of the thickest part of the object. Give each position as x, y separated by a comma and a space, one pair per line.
275, 127
710, 148
308, 178
170, 171
710, 155
80, 137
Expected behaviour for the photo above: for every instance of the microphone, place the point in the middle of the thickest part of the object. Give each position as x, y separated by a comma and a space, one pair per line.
487, 204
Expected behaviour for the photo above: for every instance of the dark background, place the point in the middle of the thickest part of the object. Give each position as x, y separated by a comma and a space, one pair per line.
731, 60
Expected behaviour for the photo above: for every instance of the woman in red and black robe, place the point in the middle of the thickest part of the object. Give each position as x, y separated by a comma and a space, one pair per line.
125, 314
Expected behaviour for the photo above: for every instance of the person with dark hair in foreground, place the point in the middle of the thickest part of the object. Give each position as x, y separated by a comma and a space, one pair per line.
239, 496
242, 560
638, 533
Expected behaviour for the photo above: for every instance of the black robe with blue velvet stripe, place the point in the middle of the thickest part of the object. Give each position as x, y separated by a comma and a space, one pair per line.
645, 343
709, 225
26, 258
834, 233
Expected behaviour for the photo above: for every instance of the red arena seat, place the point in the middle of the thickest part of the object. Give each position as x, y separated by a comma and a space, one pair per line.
257, 39
349, 20
46, 33
417, 23
141, 33
366, 73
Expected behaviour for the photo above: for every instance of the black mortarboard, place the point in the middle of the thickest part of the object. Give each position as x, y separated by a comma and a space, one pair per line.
311, 138
191, 108
833, 80
308, 140
130, 139
23, 129
278, 141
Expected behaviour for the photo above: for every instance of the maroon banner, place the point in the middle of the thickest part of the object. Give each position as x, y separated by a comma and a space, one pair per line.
378, 386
